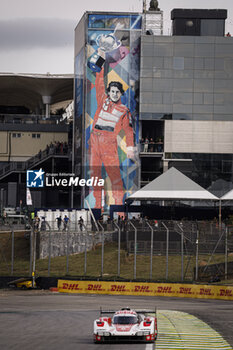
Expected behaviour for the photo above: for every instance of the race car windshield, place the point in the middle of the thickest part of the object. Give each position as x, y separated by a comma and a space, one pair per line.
124, 320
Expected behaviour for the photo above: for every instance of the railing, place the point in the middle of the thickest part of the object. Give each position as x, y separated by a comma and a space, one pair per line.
21, 166
28, 119
155, 147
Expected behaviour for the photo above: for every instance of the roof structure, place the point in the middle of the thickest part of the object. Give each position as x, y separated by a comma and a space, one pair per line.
27, 89
228, 196
172, 185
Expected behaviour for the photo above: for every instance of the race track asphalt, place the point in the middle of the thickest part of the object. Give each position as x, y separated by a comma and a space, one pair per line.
42, 320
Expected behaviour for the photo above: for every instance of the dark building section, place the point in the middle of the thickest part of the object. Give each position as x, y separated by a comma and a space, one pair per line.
13, 185
198, 22
35, 133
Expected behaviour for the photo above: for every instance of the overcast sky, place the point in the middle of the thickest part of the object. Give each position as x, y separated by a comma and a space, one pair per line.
37, 36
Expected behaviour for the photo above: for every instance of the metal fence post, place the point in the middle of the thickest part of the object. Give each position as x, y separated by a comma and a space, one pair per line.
151, 248
135, 249
197, 253
182, 252
102, 252
67, 250
182, 255
1, 201
31, 252
85, 252
220, 215
34, 258
226, 252
12, 251
49, 258
119, 249
167, 249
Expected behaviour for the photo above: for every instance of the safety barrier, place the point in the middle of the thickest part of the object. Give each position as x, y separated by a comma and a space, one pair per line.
147, 289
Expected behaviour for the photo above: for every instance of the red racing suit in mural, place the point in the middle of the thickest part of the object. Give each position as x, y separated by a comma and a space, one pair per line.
110, 118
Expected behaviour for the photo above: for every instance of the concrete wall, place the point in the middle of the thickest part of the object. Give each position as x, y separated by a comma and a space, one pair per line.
76, 243
25, 146
55, 243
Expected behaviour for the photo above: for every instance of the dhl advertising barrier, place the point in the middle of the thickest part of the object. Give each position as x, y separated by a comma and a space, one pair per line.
150, 289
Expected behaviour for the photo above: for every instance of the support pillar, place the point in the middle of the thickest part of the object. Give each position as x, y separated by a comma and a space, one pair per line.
47, 101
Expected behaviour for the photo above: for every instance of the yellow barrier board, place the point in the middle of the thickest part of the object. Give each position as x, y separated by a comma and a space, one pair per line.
150, 289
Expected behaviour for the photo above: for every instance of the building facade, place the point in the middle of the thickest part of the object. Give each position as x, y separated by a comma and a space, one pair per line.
186, 99
33, 136
178, 91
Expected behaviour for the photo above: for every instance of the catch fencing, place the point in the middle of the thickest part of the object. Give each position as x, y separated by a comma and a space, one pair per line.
131, 249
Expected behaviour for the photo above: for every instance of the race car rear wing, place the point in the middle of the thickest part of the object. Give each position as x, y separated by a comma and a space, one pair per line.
138, 311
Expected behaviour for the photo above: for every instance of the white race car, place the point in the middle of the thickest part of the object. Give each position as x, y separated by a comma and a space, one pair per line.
126, 325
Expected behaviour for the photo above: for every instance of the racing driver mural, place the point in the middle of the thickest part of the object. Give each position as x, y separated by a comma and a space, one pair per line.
112, 110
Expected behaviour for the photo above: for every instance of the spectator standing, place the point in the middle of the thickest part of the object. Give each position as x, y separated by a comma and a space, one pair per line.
66, 221
151, 148
160, 145
36, 222
4, 217
59, 221
80, 222
146, 144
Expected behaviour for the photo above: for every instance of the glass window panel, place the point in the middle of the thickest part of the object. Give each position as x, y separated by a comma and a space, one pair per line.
136, 22
109, 21
212, 27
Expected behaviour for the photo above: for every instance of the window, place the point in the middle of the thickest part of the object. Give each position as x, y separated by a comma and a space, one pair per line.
36, 136
178, 63
16, 135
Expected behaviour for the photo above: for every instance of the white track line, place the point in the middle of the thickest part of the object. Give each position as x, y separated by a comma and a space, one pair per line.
149, 347
179, 330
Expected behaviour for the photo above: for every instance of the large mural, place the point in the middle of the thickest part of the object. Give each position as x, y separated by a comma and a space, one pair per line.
111, 119
79, 79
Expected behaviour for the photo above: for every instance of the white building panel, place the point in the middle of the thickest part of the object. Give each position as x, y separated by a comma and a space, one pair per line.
194, 136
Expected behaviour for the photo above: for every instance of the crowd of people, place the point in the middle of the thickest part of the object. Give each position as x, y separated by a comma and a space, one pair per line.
66, 222
62, 223
54, 148
57, 148
122, 221
149, 145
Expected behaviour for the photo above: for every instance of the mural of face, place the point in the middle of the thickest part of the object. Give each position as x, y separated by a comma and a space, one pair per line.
114, 94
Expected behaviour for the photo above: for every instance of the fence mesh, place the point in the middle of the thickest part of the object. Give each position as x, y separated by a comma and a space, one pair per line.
133, 249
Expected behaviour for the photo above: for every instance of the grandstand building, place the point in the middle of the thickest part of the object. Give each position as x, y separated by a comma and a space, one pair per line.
33, 134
